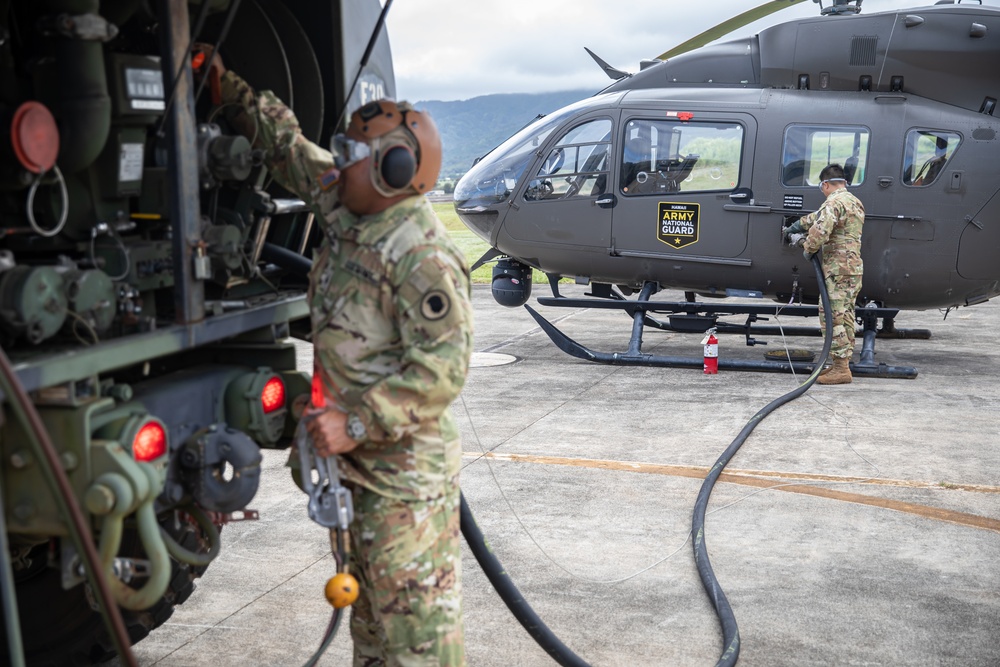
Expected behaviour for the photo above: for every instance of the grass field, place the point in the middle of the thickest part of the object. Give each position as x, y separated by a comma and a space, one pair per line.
468, 243
473, 246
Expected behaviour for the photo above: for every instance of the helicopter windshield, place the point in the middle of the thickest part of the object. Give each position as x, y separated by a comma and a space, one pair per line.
577, 166
496, 175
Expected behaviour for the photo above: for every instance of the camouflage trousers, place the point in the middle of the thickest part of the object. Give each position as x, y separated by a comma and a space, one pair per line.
843, 292
407, 559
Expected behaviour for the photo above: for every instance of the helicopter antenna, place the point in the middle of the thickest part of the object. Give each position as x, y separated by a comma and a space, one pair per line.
840, 7
612, 72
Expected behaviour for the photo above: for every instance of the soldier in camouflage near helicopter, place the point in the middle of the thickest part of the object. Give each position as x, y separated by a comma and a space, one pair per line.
836, 228
392, 332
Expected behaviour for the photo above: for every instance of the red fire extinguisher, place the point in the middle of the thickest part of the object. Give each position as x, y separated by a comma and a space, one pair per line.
711, 344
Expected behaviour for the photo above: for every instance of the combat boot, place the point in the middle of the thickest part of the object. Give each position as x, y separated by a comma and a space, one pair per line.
840, 373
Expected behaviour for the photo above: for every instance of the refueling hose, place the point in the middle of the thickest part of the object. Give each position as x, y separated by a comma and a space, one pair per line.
511, 596
527, 617
328, 636
730, 631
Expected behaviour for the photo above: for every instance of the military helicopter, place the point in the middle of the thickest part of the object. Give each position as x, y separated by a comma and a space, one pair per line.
683, 174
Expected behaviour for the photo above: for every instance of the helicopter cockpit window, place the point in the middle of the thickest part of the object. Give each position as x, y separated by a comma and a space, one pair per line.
660, 156
809, 148
577, 166
496, 175
927, 152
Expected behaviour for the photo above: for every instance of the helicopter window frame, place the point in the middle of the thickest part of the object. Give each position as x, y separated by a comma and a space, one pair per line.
646, 140
569, 170
496, 175
802, 161
932, 158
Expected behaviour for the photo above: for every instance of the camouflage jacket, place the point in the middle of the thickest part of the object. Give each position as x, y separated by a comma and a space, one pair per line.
836, 228
391, 312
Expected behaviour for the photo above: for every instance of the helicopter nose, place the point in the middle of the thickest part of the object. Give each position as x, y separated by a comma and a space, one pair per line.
479, 219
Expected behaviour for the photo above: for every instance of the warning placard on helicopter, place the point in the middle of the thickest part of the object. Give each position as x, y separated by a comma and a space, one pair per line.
793, 201
678, 224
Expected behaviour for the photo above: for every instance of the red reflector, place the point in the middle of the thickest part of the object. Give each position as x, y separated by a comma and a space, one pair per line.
273, 395
197, 60
150, 442
35, 137
685, 115
318, 397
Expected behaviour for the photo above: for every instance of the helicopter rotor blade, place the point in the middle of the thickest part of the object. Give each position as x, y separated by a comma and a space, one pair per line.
728, 26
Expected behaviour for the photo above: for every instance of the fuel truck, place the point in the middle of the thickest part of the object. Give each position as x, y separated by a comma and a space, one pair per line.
152, 277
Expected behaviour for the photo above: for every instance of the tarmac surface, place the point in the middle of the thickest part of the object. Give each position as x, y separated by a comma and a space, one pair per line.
858, 525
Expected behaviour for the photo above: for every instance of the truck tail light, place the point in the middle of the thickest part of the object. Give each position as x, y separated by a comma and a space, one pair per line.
150, 442
255, 403
272, 397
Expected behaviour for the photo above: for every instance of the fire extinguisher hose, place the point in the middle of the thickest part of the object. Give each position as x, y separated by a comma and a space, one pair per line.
730, 631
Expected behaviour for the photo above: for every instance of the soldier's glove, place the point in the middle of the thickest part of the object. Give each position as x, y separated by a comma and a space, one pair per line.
794, 228
797, 240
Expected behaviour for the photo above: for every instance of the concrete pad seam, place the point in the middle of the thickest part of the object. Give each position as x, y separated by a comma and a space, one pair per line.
219, 625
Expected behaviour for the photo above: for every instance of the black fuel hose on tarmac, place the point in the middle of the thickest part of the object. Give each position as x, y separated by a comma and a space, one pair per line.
328, 636
730, 631
511, 596
541, 633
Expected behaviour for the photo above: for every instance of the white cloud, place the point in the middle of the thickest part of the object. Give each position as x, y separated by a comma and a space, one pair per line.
457, 49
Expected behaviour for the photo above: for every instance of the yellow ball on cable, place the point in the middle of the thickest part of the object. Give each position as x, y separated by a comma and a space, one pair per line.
341, 590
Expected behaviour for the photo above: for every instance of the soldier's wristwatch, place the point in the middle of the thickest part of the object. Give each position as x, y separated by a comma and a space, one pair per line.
356, 430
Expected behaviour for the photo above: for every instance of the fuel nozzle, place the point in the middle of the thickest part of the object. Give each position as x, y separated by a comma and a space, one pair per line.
792, 231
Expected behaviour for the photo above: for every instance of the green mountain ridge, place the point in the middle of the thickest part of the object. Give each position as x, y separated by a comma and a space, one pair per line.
471, 128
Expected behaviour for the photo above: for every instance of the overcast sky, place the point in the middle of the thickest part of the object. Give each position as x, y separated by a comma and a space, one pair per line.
458, 49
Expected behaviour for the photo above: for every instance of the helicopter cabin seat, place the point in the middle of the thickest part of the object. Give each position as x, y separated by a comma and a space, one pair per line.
794, 173
636, 167
933, 166
673, 171
850, 168
929, 171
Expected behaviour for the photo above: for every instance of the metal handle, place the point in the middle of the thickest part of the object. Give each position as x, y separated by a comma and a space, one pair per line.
330, 504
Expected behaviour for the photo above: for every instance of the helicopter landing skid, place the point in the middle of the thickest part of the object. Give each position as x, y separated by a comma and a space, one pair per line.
692, 317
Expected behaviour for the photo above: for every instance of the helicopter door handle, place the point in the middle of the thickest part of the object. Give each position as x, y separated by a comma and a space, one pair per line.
606, 202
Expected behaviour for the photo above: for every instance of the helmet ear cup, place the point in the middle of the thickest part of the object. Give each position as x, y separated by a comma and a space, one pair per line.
399, 164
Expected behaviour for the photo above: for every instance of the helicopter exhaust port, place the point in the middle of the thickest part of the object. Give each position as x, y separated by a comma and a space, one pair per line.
511, 283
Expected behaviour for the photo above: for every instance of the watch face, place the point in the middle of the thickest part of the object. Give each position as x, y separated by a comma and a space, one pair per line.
355, 429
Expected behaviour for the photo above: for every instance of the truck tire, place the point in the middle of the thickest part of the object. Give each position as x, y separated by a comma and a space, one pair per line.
61, 628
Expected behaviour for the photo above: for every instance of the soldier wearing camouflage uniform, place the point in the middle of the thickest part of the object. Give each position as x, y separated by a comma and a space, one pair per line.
836, 228
392, 331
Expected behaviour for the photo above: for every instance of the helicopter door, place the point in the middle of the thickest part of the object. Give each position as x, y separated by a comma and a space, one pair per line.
559, 202
674, 177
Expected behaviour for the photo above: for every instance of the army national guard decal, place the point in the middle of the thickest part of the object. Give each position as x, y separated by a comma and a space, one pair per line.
678, 224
